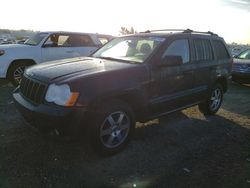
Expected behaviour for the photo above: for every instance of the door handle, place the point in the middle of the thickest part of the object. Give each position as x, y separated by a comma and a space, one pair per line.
69, 51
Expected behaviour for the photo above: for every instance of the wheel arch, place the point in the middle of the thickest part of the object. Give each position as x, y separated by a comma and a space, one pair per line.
133, 100
28, 61
223, 82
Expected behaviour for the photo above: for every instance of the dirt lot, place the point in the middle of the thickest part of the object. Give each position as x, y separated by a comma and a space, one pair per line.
184, 149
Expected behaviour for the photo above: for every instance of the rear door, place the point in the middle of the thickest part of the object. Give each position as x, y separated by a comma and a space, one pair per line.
173, 84
82, 45
204, 61
223, 65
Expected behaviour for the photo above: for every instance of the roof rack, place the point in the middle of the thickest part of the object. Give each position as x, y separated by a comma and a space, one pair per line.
180, 30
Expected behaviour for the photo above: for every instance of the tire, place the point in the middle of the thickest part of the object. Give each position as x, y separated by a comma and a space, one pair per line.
214, 101
16, 71
111, 127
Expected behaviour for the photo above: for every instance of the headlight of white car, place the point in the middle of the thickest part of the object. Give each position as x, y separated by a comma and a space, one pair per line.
61, 95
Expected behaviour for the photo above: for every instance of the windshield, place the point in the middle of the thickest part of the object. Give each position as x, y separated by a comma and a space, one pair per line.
134, 49
244, 55
36, 39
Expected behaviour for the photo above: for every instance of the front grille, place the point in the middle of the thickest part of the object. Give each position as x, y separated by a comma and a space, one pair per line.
32, 90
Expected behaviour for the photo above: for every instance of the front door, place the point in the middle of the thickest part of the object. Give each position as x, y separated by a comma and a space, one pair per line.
57, 47
173, 83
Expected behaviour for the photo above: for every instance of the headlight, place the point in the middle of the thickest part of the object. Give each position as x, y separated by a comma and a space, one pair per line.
61, 95
2, 52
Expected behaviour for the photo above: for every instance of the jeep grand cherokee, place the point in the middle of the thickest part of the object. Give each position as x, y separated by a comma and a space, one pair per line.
132, 78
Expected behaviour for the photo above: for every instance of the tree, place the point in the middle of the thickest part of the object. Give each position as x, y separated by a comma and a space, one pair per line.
126, 31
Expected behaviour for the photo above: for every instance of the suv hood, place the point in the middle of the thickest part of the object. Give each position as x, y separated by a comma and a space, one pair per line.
72, 68
9, 46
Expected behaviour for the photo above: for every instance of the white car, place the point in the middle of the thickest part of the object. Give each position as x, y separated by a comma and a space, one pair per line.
46, 46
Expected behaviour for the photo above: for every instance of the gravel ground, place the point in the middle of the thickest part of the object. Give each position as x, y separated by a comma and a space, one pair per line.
184, 149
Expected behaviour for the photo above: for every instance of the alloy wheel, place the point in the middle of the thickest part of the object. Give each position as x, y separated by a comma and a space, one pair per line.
215, 99
18, 74
115, 129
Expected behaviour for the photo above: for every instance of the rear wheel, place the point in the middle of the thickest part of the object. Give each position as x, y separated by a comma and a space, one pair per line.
111, 127
15, 73
214, 101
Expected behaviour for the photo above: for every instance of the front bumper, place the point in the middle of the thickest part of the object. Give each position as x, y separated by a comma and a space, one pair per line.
4, 65
46, 118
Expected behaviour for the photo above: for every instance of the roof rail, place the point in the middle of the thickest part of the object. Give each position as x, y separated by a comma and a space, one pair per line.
180, 30
199, 32
159, 30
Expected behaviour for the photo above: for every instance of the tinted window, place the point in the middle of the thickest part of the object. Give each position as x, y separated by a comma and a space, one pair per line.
80, 41
64, 40
208, 50
203, 49
220, 50
178, 48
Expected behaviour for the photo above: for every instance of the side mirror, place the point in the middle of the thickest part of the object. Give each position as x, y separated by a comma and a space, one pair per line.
171, 60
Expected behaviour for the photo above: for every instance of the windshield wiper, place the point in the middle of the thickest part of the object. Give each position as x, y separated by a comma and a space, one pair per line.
108, 58
116, 59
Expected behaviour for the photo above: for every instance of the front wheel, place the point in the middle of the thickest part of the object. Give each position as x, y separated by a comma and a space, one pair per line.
213, 103
15, 73
112, 126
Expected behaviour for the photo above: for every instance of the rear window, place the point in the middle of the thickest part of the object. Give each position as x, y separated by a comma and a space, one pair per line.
220, 50
203, 50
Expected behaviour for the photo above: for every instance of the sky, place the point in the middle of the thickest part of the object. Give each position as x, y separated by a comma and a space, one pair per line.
228, 18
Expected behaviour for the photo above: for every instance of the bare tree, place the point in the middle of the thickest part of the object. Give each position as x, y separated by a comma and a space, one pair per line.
126, 31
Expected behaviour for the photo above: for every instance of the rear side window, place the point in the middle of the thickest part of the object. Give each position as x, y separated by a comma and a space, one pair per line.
203, 50
71, 40
80, 41
178, 48
220, 50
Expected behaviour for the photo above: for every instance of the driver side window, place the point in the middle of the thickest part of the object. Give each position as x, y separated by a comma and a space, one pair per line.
178, 48
56, 40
